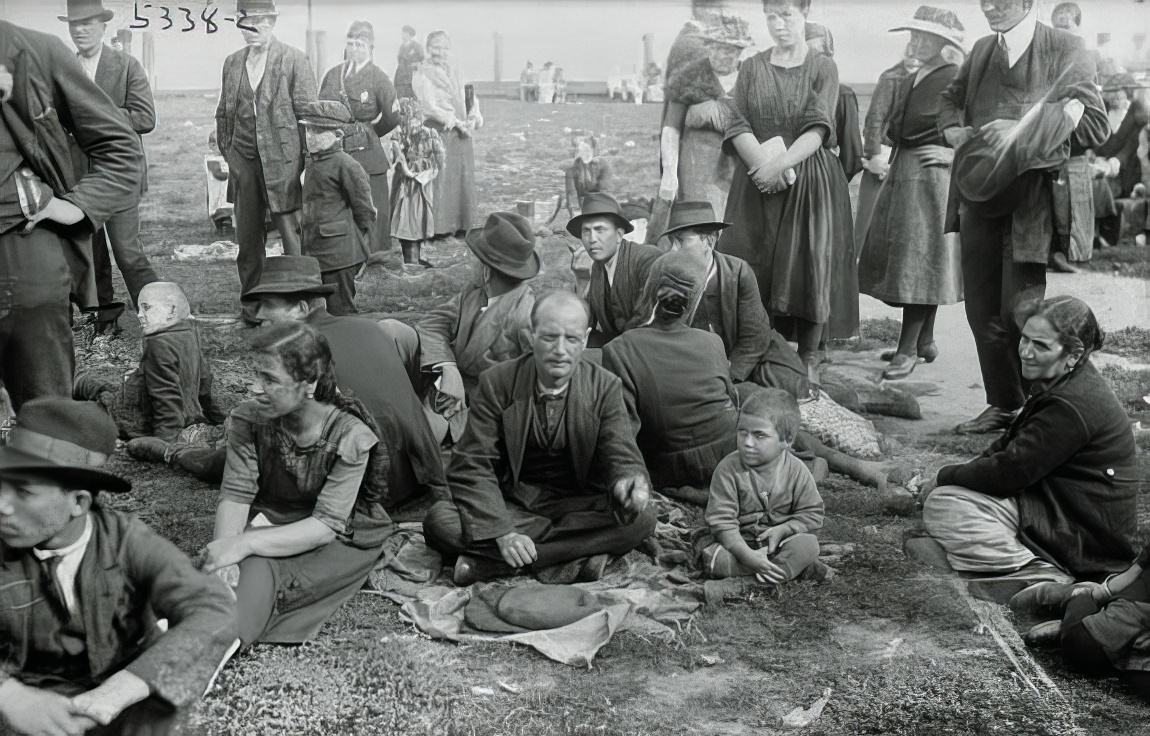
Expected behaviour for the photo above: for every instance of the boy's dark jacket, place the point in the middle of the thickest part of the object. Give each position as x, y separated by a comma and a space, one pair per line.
337, 210
177, 381
129, 578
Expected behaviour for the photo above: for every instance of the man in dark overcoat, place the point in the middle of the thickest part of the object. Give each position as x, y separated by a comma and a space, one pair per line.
547, 476
48, 208
1023, 66
266, 88
123, 79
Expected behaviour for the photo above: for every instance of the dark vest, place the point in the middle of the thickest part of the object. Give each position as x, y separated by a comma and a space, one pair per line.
57, 649
10, 161
244, 137
1007, 92
546, 460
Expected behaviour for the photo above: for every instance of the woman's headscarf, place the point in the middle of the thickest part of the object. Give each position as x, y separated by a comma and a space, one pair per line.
674, 287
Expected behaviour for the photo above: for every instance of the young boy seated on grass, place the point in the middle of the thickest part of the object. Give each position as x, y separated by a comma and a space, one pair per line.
171, 388
764, 505
337, 209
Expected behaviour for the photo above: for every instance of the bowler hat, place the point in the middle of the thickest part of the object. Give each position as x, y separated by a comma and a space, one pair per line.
290, 276
598, 204
328, 114
506, 243
79, 10
66, 441
938, 22
256, 7
693, 215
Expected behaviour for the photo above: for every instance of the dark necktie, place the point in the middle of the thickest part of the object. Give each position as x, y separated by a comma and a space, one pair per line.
50, 584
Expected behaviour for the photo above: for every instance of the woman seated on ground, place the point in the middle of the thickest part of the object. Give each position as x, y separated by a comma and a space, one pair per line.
1105, 627
1054, 497
676, 380
300, 522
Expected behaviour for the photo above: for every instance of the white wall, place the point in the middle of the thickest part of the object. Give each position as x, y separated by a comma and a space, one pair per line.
588, 38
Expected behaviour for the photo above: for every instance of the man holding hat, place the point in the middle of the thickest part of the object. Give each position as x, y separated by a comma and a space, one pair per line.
731, 307
265, 91
337, 209
487, 323
48, 207
123, 79
370, 368
1024, 74
619, 270
547, 476
90, 657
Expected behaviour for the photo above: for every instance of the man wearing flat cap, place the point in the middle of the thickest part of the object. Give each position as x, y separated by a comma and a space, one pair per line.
266, 88
1023, 102
487, 323
337, 208
619, 267
82, 588
125, 82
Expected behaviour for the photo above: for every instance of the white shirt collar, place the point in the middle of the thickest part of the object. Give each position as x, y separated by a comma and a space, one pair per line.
609, 267
69, 566
542, 390
1019, 38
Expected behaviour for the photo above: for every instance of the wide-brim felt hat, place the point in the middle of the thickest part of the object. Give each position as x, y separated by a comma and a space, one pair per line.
938, 22
80, 10
65, 441
290, 276
598, 204
690, 215
506, 243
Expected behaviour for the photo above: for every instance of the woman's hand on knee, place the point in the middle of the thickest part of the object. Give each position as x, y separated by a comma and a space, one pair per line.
223, 553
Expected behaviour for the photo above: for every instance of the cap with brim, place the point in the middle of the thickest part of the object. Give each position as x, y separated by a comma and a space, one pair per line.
693, 216
28, 452
598, 204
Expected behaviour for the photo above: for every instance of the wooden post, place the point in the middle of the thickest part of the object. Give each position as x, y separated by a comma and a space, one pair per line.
317, 52
149, 57
648, 50
498, 56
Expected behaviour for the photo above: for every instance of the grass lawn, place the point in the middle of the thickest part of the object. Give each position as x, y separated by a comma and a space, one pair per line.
902, 651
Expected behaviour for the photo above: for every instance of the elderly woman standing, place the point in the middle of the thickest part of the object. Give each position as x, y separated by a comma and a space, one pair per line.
1054, 497
439, 89
369, 94
790, 232
907, 259
300, 522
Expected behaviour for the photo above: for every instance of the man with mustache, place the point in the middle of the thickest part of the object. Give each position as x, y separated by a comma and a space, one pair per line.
547, 477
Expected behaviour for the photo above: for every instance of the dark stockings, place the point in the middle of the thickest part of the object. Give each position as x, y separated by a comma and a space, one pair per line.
411, 250
917, 328
810, 335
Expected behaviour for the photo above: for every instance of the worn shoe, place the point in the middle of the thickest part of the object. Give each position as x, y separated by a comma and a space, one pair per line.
900, 366
1059, 263
927, 353
465, 572
1044, 634
992, 419
148, 449
1042, 596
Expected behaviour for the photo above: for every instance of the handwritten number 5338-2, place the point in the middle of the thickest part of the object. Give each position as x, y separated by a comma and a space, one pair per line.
206, 19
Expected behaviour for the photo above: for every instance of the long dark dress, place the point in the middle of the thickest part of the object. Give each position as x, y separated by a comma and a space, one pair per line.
794, 239
908, 258
370, 96
440, 92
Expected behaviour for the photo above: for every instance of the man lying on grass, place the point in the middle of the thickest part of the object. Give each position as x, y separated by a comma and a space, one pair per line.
82, 587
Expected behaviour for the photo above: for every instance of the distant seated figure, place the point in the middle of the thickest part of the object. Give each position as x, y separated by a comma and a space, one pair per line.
764, 506
547, 477
620, 266
676, 382
171, 388
82, 587
216, 180
487, 323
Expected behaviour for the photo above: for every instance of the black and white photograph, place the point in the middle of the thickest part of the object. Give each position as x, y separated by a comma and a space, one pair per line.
576, 367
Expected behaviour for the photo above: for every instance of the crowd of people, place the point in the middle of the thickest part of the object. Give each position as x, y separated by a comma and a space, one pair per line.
563, 414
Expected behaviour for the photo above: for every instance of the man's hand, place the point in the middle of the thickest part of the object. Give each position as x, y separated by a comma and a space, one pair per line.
517, 549
6, 83
958, 135
632, 494
996, 132
935, 155
105, 703
773, 536
451, 384
30, 711
221, 553
57, 210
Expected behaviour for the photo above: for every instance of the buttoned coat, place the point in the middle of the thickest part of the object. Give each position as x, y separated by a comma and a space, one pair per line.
129, 577
51, 98
370, 96
484, 470
281, 100
337, 210
125, 82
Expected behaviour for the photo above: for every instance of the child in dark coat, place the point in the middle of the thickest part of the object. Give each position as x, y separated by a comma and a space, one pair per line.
764, 506
337, 209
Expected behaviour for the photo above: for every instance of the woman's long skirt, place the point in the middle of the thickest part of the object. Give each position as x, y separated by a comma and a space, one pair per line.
454, 189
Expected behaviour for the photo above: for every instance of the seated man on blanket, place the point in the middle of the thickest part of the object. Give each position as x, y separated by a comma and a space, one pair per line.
547, 477
170, 389
484, 325
82, 587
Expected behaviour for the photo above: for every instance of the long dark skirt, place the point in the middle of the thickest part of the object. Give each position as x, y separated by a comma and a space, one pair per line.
453, 191
379, 240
